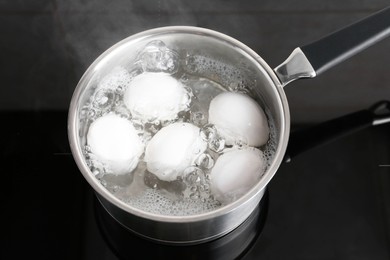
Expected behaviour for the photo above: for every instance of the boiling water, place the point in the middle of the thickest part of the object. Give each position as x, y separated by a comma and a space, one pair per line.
190, 193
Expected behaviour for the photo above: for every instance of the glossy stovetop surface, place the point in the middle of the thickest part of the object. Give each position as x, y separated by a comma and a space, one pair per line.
330, 203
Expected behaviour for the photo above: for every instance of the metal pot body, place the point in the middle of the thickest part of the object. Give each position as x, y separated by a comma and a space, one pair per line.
214, 54
214, 47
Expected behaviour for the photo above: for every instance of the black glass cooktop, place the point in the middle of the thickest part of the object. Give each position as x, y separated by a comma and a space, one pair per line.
332, 202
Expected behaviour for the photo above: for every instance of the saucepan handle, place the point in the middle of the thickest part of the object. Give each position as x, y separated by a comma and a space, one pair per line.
306, 139
311, 60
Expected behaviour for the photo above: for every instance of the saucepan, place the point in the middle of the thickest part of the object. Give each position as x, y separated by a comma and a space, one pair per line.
180, 67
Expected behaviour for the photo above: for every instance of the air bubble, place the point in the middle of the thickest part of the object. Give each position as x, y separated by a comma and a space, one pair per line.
137, 70
192, 175
198, 118
184, 78
87, 149
152, 127
157, 57
91, 113
205, 161
96, 172
215, 142
186, 101
119, 90
240, 143
194, 196
138, 125
123, 112
84, 111
208, 132
115, 188
104, 99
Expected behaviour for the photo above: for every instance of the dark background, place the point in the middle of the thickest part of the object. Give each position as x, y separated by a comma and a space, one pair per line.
331, 203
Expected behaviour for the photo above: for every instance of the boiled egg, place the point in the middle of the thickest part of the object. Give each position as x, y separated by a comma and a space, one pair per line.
114, 142
173, 149
235, 172
156, 96
238, 118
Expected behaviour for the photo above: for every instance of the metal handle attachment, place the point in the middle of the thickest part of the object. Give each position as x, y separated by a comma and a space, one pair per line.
313, 59
381, 112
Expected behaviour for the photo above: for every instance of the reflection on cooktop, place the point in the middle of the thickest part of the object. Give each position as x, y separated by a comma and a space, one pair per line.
330, 203
125, 244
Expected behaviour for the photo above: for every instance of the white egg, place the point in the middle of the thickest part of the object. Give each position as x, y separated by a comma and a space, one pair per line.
113, 141
156, 96
235, 172
173, 149
238, 118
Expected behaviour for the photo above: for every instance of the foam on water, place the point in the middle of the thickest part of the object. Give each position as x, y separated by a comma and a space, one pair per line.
226, 75
119, 77
154, 201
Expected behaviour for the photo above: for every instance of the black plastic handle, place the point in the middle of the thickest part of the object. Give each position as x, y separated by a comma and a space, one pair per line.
303, 140
338, 46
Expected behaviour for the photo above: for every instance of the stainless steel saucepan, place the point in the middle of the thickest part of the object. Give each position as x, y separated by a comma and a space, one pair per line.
266, 85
